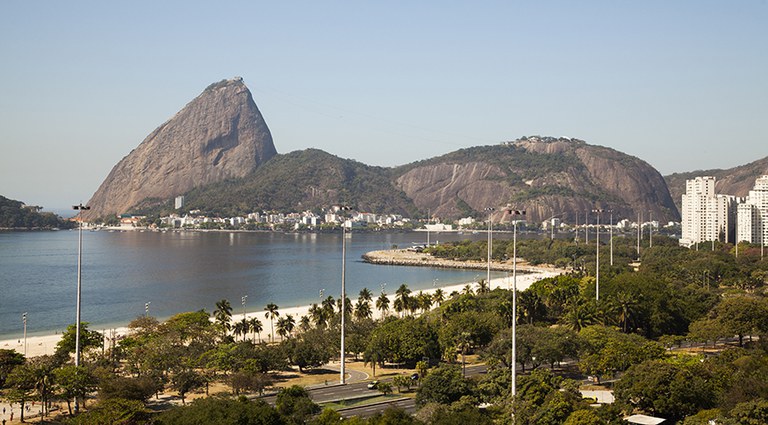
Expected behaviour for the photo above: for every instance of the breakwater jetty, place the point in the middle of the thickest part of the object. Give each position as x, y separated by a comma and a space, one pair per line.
409, 257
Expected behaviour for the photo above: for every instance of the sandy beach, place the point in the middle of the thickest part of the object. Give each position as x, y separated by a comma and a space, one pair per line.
46, 344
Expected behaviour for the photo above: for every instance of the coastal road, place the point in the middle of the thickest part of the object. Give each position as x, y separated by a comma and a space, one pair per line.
338, 392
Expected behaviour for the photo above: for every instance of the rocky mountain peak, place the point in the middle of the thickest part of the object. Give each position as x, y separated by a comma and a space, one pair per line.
218, 135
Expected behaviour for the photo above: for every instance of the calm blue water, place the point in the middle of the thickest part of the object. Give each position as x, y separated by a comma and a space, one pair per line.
188, 271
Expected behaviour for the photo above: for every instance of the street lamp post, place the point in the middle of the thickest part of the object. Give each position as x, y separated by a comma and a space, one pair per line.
343, 371
586, 226
597, 255
24, 319
611, 230
79, 208
639, 226
514, 298
245, 297
650, 229
490, 211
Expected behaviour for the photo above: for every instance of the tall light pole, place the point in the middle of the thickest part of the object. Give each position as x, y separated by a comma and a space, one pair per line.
639, 226
343, 370
429, 213
79, 208
586, 226
24, 319
650, 231
577, 227
514, 298
597, 255
490, 211
611, 230
244, 297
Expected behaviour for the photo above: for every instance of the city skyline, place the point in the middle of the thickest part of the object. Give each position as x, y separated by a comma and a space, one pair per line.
672, 84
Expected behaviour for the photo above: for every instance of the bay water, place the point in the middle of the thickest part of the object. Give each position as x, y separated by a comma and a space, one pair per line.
186, 271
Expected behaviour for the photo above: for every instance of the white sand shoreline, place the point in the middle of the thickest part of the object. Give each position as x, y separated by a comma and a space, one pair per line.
46, 344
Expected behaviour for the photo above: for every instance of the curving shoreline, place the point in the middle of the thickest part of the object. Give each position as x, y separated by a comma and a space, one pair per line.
46, 344
409, 257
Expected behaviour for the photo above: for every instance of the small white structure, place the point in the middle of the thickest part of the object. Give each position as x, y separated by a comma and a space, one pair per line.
644, 420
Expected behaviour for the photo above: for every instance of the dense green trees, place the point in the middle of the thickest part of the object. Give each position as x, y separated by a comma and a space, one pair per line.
15, 215
562, 329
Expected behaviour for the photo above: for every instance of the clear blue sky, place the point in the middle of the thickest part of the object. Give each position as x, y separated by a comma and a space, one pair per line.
682, 85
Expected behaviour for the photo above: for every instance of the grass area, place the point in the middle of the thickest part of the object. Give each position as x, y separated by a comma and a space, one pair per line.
308, 378
362, 401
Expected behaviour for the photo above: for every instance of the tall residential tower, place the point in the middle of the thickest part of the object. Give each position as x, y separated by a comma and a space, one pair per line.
753, 214
706, 215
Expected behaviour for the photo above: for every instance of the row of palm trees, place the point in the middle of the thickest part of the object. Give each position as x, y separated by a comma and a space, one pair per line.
321, 314
223, 316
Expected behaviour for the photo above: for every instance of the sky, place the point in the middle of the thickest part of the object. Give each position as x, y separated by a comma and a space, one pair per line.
682, 85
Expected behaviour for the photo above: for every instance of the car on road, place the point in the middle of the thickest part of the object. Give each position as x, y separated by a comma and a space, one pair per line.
373, 385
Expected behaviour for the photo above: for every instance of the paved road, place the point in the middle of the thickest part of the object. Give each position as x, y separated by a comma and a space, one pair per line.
337, 392
407, 404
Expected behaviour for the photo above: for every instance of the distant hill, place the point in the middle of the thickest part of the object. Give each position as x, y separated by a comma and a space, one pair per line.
304, 180
545, 176
736, 181
17, 215
218, 152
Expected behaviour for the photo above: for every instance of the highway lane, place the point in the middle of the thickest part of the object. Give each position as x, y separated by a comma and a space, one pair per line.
337, 392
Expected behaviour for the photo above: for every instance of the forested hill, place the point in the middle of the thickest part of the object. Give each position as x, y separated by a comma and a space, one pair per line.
310, 179
16, 215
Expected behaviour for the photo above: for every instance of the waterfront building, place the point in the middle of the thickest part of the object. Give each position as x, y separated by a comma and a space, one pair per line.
707, 216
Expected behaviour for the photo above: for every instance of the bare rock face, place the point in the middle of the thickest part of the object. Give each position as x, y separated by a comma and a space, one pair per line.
544, 176
218, 135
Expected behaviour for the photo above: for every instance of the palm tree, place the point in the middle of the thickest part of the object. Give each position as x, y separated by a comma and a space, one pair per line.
468, 289
347, 306
318, 315
285, 326
463, 342
382, 303
578, 314
272, 313
483, 287
531, 306
424, 301
402, 298
329, 307
365, 295
505, 311
305, 323
438, 296
363, 310
241, 328
254, 324
625, 307
223, 314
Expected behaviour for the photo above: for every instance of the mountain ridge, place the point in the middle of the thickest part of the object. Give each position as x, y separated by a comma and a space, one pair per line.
219, 153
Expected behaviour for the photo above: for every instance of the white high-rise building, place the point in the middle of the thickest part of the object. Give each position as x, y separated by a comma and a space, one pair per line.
753, 214
706, 215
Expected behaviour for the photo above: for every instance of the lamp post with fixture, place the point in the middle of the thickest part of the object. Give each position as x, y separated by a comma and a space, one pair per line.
79, 208
597, 255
